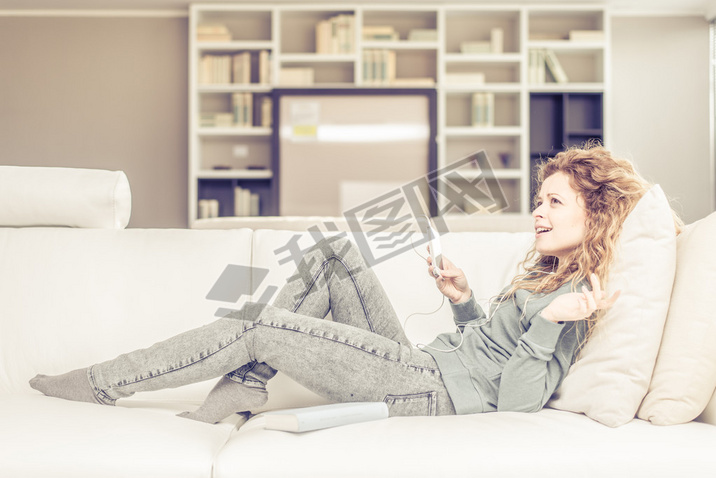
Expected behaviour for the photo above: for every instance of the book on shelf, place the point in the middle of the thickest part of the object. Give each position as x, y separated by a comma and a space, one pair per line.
378, 67
476, 47
208, 208
265, 67
536, 66
234, 68
212, 32
266, 112
497, 40
336, 34
242, 109
483, 110
241, 68
379, 33
215, 69
496, 44
324, 416
423, 34
296, 76
555, 67
541, 60
587, 35
246, 203
246, 112
460, 78
216, 120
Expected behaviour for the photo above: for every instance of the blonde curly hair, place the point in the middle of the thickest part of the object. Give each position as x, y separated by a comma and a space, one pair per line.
610, 188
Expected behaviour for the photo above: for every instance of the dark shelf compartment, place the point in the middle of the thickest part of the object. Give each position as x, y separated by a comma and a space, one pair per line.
561, 120
223, 191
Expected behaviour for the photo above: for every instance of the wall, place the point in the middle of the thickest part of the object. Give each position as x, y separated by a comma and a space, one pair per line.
112, 93
105, 93
660, 100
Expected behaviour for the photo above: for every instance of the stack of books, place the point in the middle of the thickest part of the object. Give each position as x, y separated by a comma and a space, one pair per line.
379, 67
245, 113
242, 106
587, 35
213, 32
236, 68
539, 61
423, 34
215, 69
494, 45
379, 33
483, 110
246, 203
216, 120
336, 35
266, 112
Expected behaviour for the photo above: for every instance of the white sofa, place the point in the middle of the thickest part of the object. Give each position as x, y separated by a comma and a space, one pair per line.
73, 296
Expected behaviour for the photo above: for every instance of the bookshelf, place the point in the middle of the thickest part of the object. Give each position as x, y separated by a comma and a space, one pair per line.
520, 81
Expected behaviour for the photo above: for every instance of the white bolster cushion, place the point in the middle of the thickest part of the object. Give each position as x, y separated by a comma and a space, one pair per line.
72, 197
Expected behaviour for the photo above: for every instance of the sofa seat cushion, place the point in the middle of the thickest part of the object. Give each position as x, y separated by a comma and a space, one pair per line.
42, 436
549, 444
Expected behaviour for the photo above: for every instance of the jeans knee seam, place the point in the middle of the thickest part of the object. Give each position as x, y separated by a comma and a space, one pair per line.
314, 279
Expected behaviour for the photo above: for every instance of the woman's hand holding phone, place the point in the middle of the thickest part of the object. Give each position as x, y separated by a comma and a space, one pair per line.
451, 282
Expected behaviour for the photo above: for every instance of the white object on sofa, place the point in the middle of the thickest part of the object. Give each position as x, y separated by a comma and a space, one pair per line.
685, 374
611, 376
73, 197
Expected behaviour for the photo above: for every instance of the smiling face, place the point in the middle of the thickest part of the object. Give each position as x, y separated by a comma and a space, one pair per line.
560, 217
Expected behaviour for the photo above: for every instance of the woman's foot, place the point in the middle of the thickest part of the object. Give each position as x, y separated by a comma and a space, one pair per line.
73, 385
225, 398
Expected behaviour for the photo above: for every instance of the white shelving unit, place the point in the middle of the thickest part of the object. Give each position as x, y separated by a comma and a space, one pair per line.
478, 54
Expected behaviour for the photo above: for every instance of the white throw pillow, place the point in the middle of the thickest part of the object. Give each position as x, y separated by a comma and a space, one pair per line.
71, 197
612, 374
685, 373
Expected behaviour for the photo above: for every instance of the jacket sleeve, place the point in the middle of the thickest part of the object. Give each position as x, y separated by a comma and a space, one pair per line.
538, 365
467, 312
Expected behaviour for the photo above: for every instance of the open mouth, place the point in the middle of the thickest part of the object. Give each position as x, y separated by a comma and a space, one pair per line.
542, 230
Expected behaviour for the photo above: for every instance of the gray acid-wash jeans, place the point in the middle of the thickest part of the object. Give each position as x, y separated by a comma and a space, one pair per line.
362, 355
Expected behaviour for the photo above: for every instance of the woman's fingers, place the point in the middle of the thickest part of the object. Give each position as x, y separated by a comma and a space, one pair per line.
606, 303
589, 299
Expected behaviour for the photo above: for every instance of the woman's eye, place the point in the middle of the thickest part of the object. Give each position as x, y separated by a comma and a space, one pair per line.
555, 201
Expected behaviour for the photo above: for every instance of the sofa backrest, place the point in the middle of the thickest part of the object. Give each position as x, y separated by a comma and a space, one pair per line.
73, 297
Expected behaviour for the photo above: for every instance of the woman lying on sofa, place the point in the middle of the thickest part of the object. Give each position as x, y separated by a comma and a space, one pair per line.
511, 358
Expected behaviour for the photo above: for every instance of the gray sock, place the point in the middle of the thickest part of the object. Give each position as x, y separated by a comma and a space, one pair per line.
73, 385
225, 398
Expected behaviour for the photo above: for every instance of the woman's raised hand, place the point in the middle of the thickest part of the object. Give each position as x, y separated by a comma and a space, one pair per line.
452, 282
579, 305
